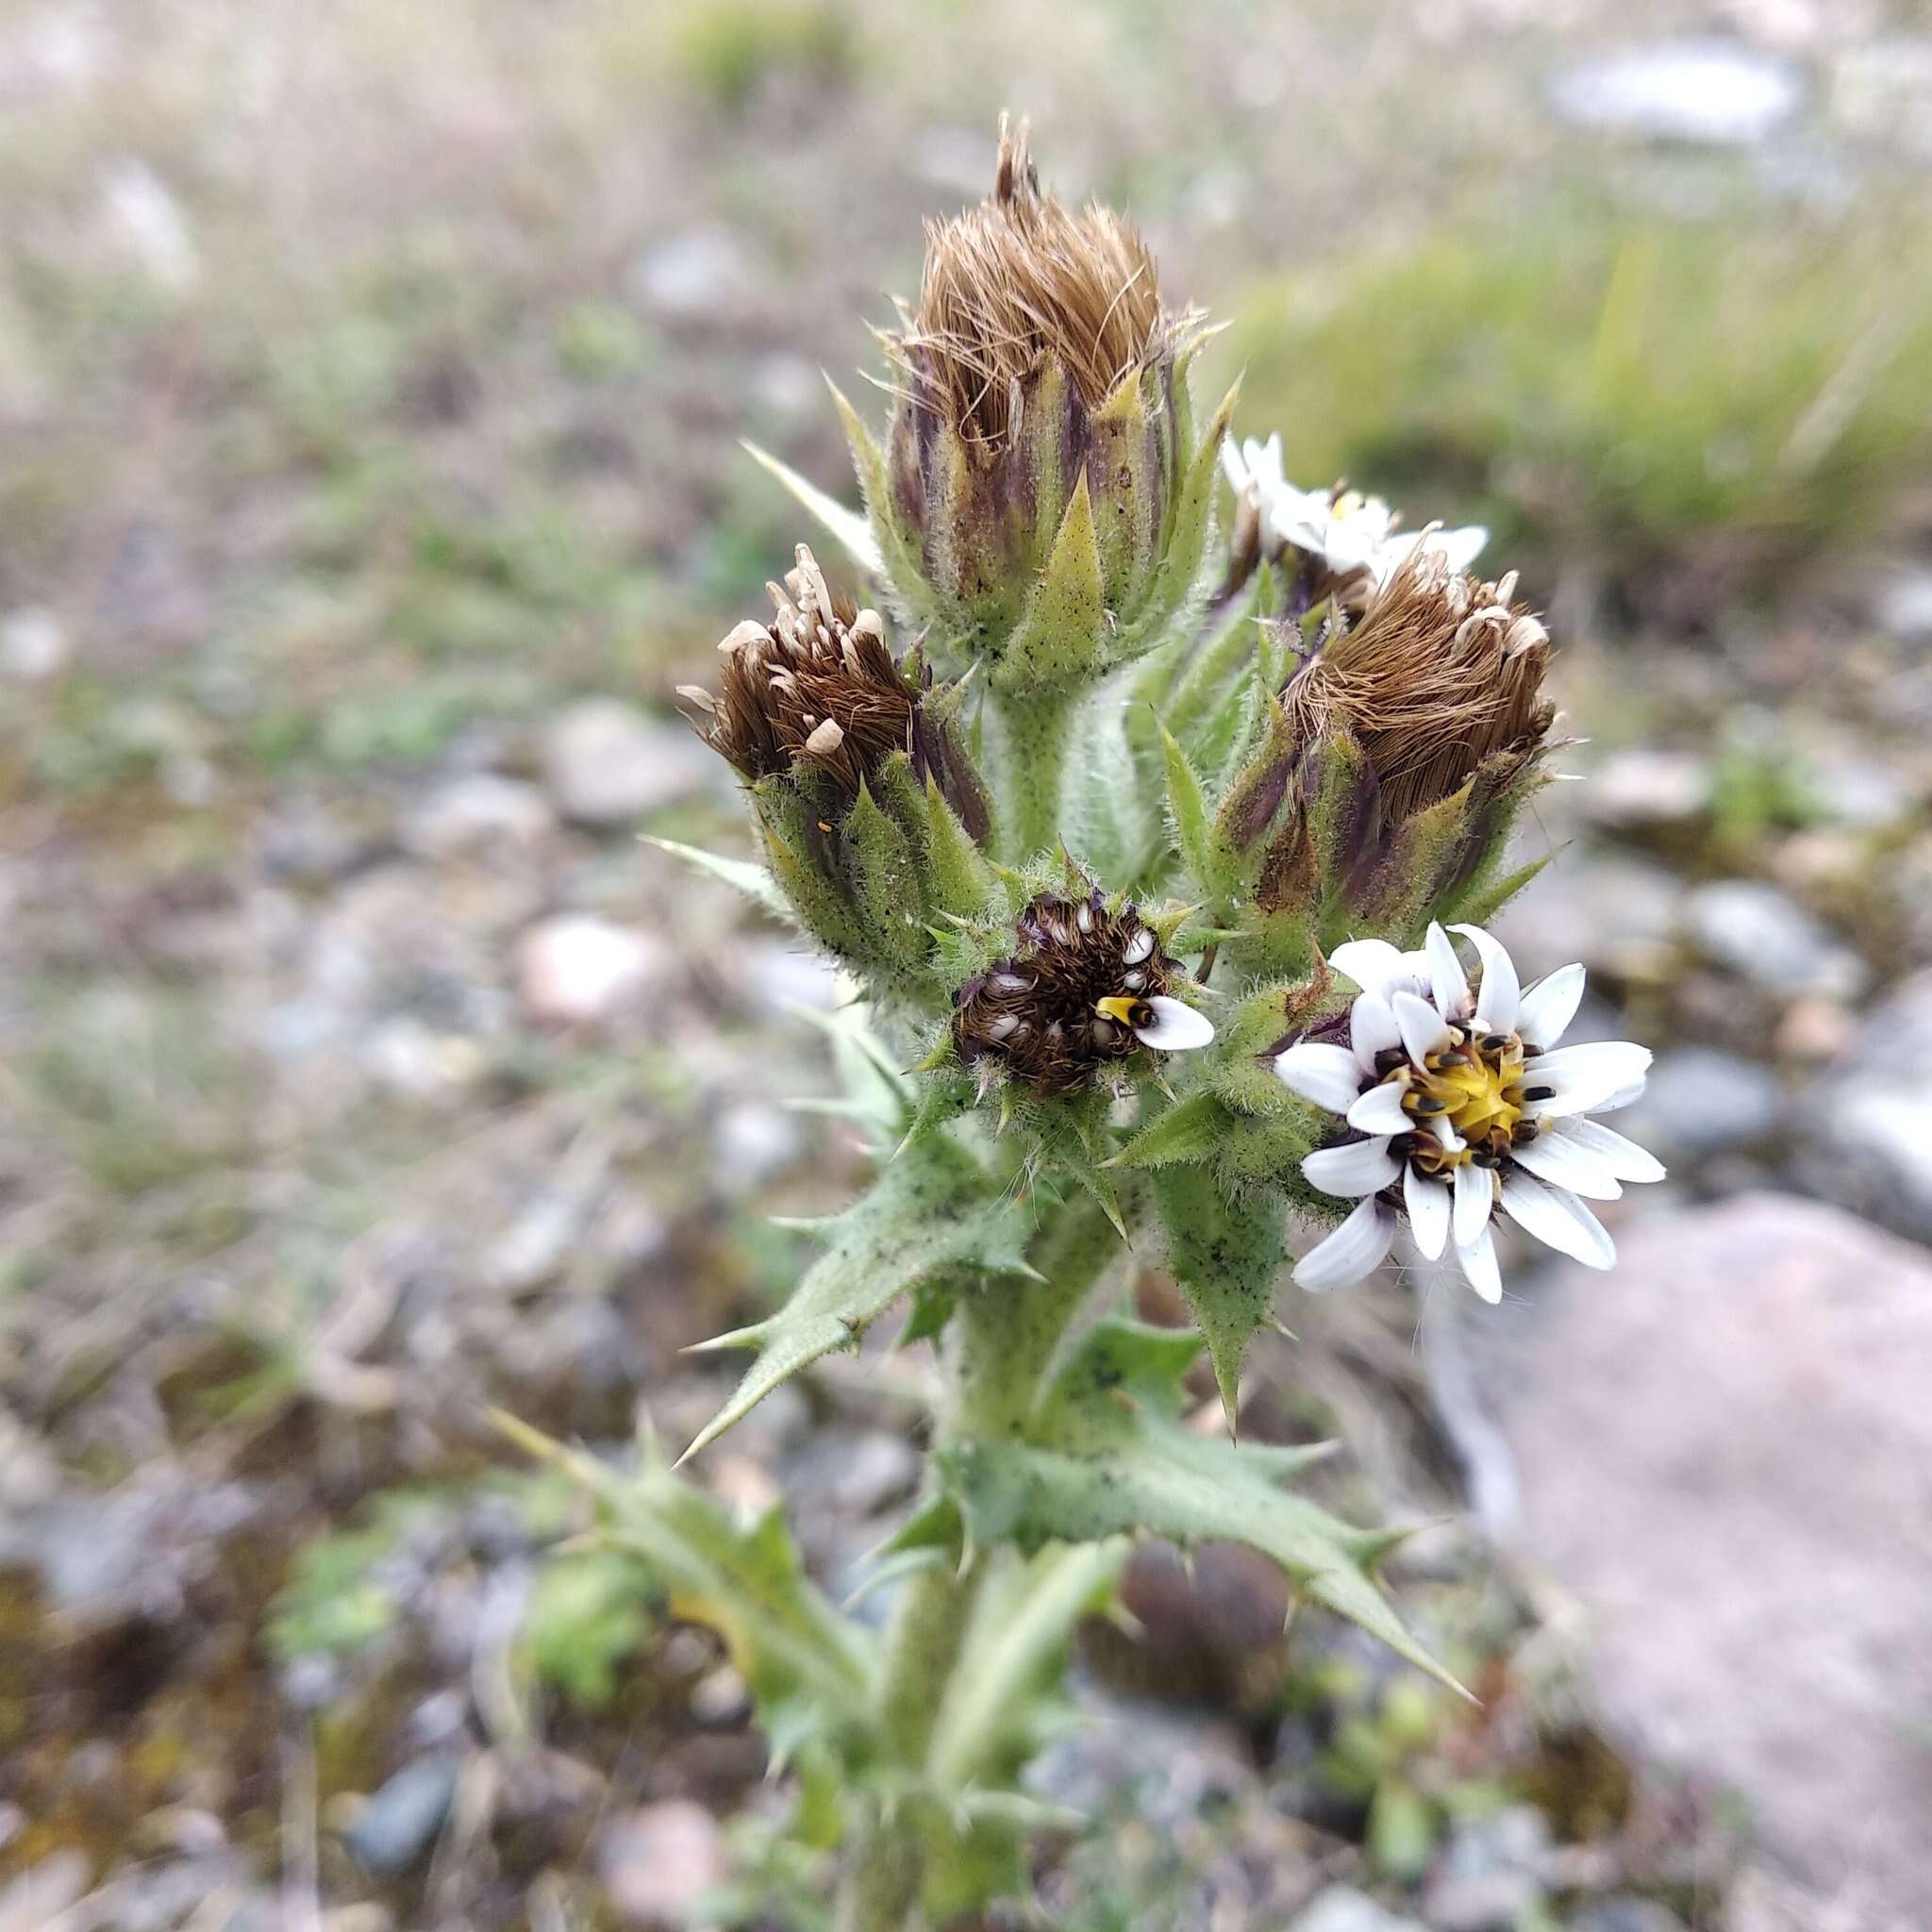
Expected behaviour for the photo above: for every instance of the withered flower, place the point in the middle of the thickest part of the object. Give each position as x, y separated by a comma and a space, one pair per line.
1439, 675
1086, 987
1043, 491
1401, 750
818, 687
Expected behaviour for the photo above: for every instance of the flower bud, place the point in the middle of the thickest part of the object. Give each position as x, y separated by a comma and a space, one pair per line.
1396, 758
1042, 495
870, 809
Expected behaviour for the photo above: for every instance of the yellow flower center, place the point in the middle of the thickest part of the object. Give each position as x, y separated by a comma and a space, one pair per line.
1475, 1085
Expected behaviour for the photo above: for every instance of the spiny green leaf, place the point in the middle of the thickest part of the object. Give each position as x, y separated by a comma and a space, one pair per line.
870, 465
1483, 898
1107, 1454
1063, 634
1015, 1643
1188, 1131
753, 881
847, 526
1193, 825
934, 1208
812, 1669
1225, 1252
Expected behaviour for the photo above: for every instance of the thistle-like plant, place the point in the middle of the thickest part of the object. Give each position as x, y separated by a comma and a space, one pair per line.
1146, 852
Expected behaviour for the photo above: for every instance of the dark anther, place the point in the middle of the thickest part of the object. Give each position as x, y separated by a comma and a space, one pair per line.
1427, 1103
1539, 1093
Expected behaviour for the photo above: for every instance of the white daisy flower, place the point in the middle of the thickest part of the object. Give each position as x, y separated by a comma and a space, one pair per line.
1348, 532
1464, 1103
1459, 548
1253, 469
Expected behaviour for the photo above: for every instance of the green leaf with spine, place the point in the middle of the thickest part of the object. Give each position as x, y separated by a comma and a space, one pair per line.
1106, 1453
1226, 1250
812, 1671
934, 1208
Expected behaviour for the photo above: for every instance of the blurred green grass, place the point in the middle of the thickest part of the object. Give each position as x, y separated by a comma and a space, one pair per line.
1623, 392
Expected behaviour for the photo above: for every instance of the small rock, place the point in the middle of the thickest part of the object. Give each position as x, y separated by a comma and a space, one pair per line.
657, 1862
873, 1470
1754, 931
1814, 1029
1624, 1915
400, 1822
1904, 606
776, 975
1489, 1878
33, 644
1859, 793
1867, 1148
477, 813
1342, 1908
753, 1141
606, 764
1642, 790
576, 970
1712, 91
702, 273
1615, 914
1699, 1100
149, 222
1722, 1464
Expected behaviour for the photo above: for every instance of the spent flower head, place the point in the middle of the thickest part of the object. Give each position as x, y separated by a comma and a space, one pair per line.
1398, 753
1458, 1099
1042, 495
1087, 988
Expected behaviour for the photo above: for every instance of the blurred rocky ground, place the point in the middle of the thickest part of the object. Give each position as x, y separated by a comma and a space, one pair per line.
369, 387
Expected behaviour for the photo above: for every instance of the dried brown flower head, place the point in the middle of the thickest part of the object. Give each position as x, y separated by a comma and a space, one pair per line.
818, 686
1086, 987
1019, 280
1438, 675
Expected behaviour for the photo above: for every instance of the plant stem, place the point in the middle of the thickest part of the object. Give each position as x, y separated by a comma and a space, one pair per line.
1028, 758
1008, 1336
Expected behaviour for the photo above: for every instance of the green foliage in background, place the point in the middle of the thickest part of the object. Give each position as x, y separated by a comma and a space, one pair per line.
1630, 389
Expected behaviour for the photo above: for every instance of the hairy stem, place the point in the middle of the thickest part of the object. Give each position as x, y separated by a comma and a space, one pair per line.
1028, 758
1008, 1335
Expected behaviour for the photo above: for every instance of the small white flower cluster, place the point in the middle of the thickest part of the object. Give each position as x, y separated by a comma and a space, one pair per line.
1348, 533
1462, 1100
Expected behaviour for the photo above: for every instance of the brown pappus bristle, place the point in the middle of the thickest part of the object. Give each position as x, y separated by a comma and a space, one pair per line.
818, 685
1439, 674
1021, 279
1035, 1013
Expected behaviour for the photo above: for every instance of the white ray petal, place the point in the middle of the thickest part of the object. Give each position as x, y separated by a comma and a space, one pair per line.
1478, 1260
1423, 1030
1428, 1202
1501, 993
1558, 1218
1448, 982
1176, 1028
1375, 965
1563, 1163
1579, 1079
1549, 1007
1614, 1152
1372, 1029
1475, 1193
1326, 1074
1623, 1096
1355, 1249
1362, 1167
1380, 1110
